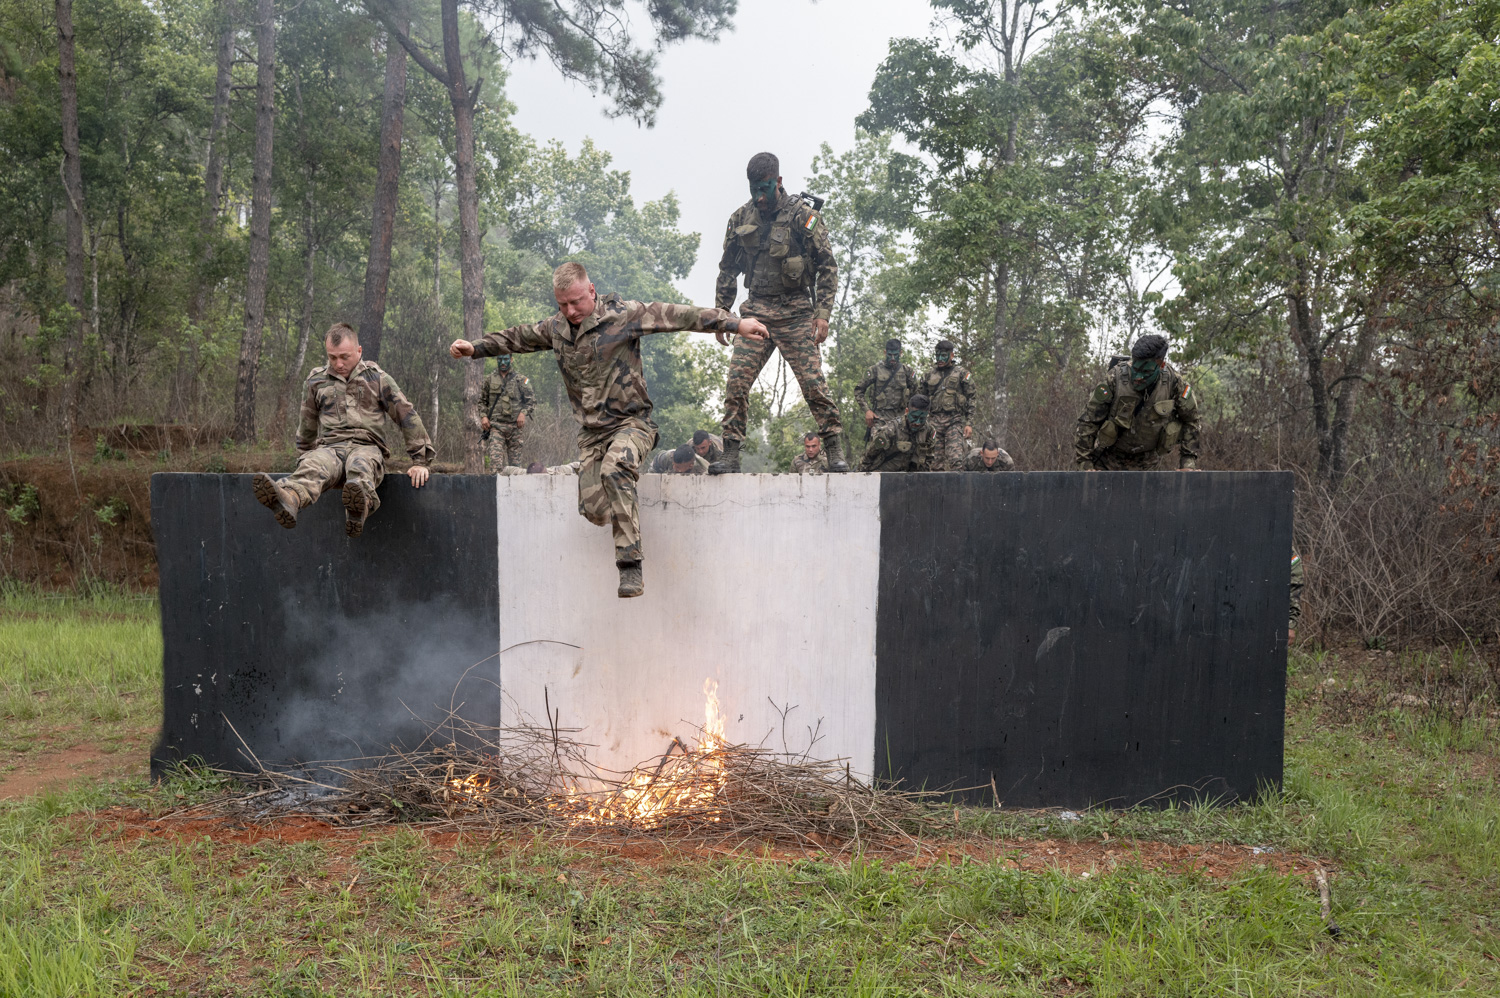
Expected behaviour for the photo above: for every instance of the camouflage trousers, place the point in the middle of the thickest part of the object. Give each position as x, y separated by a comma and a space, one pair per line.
610, 466
791, 330
324, 468
504, 445
1114, 460
950, 449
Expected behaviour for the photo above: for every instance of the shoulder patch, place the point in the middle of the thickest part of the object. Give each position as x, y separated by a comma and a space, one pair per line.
525, 380
812, 221
966, 375
1103, 394
1296, 558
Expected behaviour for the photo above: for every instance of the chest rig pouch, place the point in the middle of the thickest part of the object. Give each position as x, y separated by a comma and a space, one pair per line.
776, 261
943, 399
1140, 425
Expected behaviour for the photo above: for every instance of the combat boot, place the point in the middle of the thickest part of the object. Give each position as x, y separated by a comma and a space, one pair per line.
833, 446
729, 464
280, 500
632, 583
359, 502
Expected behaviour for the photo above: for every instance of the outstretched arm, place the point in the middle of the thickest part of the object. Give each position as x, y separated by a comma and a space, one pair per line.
531, 337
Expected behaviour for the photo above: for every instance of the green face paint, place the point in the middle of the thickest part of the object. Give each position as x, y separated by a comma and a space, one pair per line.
502, 362
1144, 373
944, 358
916, 418
892, 358
763, 192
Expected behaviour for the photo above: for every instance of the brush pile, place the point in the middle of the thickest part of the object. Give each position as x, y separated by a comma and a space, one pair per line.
493, 779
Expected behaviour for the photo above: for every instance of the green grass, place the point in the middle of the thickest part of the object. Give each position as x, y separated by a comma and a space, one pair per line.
1400, 805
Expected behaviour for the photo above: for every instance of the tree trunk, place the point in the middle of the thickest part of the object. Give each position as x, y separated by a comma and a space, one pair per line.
260, 223
1001, 346
72, 177
387, 195
470, 261
182, 404
293, 374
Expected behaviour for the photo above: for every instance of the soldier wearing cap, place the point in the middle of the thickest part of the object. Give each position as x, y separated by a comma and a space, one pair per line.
1141, 410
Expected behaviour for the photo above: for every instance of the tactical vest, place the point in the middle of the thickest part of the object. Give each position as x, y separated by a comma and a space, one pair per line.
1136, 425
505, 398
889, 390
778, 262
943, 391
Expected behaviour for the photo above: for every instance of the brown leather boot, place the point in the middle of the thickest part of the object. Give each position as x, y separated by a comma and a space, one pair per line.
279, 499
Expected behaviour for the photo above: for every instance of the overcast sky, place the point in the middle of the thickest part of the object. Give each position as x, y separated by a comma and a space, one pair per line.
792, 74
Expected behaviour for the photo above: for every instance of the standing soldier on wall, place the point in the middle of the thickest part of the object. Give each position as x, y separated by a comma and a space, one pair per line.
505, 405
1141, 410
597, 340
342, 436
886, 387
907, 444
950, 390
781, 246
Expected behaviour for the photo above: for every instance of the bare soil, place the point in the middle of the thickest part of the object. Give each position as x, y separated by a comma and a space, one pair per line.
55, 768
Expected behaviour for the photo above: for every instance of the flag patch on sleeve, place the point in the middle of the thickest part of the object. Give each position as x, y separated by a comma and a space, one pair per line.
812, 220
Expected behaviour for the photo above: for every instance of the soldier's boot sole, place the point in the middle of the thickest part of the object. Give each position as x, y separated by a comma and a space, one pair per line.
359, 503
274, 498
632, 583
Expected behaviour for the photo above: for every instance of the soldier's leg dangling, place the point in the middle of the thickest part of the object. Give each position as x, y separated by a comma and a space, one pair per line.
364, 467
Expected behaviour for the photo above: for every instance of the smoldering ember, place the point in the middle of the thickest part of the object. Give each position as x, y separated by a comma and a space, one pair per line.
797, 498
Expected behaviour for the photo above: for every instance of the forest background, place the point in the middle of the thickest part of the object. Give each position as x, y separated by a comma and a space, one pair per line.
1302, 196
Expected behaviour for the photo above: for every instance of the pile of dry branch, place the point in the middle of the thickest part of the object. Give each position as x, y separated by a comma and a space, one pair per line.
489, 779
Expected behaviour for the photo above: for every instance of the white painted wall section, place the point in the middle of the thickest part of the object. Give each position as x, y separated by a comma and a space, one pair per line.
765, 584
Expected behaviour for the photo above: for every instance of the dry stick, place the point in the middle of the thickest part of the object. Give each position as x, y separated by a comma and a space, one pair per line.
1326, 900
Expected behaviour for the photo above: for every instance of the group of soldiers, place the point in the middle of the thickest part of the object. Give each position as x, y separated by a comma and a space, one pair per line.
780, 245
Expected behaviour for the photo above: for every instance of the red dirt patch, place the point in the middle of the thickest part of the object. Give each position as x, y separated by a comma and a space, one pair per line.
1214, 859
57, 768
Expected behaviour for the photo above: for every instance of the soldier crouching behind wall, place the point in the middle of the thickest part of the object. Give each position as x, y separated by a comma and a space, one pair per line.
1142, 410
597, 340
341, 437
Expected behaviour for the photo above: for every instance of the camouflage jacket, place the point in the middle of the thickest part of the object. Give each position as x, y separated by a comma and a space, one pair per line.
885, 391
975, 462
505, 395
1294, 606
950, 392
1117, 417
661, 464
353, 410
817, 466
895, 446
600, 358
715, 448
786, 254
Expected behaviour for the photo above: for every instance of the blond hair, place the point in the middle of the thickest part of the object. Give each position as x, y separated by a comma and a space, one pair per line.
567, 275
341, 331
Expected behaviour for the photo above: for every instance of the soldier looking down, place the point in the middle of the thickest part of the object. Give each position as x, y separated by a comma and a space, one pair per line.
597, 340
505, 405
1142, 409
905, 444
781, 246
709, 446
886, 387
989, 457
342, 438
950, 389
812, 460
682, 461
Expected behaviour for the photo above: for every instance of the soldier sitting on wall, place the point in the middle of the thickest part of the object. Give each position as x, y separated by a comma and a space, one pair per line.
682, 461
812, 460
906, 444
709, 446
1141, 411
989, 457
342, 439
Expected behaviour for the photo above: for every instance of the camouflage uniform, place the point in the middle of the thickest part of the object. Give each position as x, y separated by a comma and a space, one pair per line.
975, 462
1294, 608
817, 466
715, 448
790, 280
342, 432
1123, 430
895, 446
888, 390
662, 465
600, 360
951, 392
506, 395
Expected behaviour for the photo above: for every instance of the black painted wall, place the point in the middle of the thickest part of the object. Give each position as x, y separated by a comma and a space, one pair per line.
1080, 639
314, 646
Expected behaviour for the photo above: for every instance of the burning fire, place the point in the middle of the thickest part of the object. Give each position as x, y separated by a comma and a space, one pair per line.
684, 784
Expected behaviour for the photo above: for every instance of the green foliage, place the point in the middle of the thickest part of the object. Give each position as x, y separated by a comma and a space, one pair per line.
21, 502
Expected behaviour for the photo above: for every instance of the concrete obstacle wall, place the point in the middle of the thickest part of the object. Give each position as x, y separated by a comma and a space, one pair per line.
1049, 638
